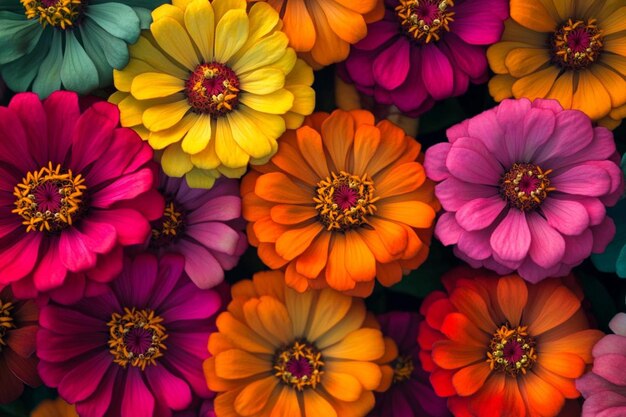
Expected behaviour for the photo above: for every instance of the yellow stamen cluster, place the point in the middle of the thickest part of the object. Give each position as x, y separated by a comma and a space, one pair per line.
525, 186
6, 321
212, 89
121, 325
299, 351
508, 344
403, 368
171, 223
340, 217
424, 28
69, 187
56, 13
567, 54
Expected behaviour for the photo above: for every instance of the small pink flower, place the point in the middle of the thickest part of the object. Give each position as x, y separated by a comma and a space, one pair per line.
75, 188
524, 187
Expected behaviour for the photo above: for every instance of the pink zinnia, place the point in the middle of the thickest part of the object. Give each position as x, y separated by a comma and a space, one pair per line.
524, 187
410, 394
135, 351
204, 226
425, 50
76, 189
604, 388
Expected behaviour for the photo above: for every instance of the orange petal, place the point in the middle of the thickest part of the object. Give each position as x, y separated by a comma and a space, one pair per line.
253, 398
579, 343
536, 85
512, 297
401, 179
533, 15
328, 47
591, 96
470, 379
344, 387
392, 235
242, 336
290, 160
388, 274
566, 386
216, 383
293, 242
489, 401
376, 245
497, 53
347, 24
452, 355
337, 274
540, 397
360, 345
523, 61
298, 26
338, 135
316, 405
414, 213
310, 144
366, 141
367, 373
564, 364
473, 306
295, 280
313, 260
360, 262
559, 307
563, 90
617, 84
286, 404
278, 187
239, 364
501, 87
392, 145
459, 329
352, 320
267, 253
224, 404
330, 309
275, 318
616, 45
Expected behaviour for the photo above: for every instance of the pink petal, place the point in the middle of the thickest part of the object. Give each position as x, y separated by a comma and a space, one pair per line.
412, 95
90, 144
605, 404
603, 235
470, 161
534, 273
567, 216
19, 259
136, 283
572, 133
85, 376
547, 246
476, 244
30, 111
100, 402
618, 324
150, 204
55, 347
480, 22
74, 251
587, 179
168, 388
511, 239
392, 65
191, 369
222, 208
437, 72
610, 344
50, 273
548, 104
611, 368
485, 127
138, 400
435, 161
99, 237
190, 303
538, 127
377, 34
601, 147
132, 228
108, 266
510, 115
459, 130
447, 229
125, 188
213, 235
62, 110
200, 264
480, 213
470, 59
13, 147
578, 248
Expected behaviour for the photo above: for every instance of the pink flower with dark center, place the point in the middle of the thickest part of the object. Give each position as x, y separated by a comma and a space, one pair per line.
205, 226
75, 188
136, 350
425, 50
524, 187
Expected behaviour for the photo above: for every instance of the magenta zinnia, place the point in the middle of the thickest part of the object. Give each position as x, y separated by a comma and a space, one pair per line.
205, 226
76, 190
135, 351
524, 187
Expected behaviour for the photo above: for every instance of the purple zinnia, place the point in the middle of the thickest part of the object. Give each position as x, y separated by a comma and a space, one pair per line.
135, 351
524, 187
425, 50
410, 393
205, 226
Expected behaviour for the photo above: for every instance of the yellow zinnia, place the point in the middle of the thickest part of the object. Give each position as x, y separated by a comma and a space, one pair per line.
213, 86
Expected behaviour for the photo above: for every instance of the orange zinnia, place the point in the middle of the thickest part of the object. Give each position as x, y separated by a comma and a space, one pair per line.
323, 30
569, 50
342, 202
281, 353
501, 347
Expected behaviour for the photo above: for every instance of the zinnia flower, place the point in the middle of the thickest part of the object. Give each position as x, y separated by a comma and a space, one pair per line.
203, 226
54, 408
411, 394
499, 343
74, 44
214, 86
572, 51
343, 202
135, 351
425, 50
524, 187
76, 190
18, 329
604, 388
283, 353
322, 30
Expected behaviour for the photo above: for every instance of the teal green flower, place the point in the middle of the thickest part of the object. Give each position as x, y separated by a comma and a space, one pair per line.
613, 259
72, 44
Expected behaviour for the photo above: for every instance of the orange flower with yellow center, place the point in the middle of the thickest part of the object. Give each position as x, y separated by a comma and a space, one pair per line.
344, 201
569, 50
278, 352
503, 347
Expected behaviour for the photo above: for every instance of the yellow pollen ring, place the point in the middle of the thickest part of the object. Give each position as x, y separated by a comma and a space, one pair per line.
6, 321
62, 14
299, 351
420, 28
172, 223
524, 349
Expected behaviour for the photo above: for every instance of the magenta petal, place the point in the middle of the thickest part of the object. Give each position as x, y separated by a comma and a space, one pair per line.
510, 115
547, 246
377, 34
98, 404
573, 132
549, 104
603, 234
125, 188
142, 269
480, 213
214, 235
437, 72
480, 22
511, 239
605, 404
392, 65
359, 66
89, 143
200, 264
470, 59
84, 377
459, 130
454, 194
13, 147
485, 127
170, 270
65, 321
19, 260
50, 272
74, 252
191, 369
222, 208
567, 216
447, 229
578, 248
476, 244
132, 228
610, 344
470, 161
29, 109
54, 347
190, 303
109, 266
601, 147
435, 161
412, 96
534, 273
99, 237
586, 179
538, 127
168, 388
138, 400
63, 112
611, 368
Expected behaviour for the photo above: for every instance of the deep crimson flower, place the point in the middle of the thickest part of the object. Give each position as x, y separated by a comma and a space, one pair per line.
74, 190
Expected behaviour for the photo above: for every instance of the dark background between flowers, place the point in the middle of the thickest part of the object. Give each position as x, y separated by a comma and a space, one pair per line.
604, 293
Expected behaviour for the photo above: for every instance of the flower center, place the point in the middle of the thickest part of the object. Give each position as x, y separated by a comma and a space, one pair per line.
212, 89
577, 44
345, 201
511, 350
49, 199
299, 365
403, 368
56, 13
6, 321
525, 186
425, 20
136, 337
169, 227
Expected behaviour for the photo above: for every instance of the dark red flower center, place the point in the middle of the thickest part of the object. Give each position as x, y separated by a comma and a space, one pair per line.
212, 89
511, 350
49, 199
6, 321
169, 227
425, 20
525, 186
61, 14
577, 44
299, 365
345, 197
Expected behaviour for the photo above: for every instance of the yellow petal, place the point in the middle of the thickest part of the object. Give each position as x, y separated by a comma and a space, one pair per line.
168, 10
265, 52
270, 124
514, 32
293, 120
198, 178
165, 116
304, 99
286, 62
207, 158
230, 34
232, 172
263, 18
278, 102
145, 51
221, 7
262, 81
248, 136
200, 24
131, 111
523, 61
536, 85
301, 74
591, 97
173, 39
123, 79
155, 85
175, 162
497, 53
163, 138
198, 136
229, 152
563, 90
